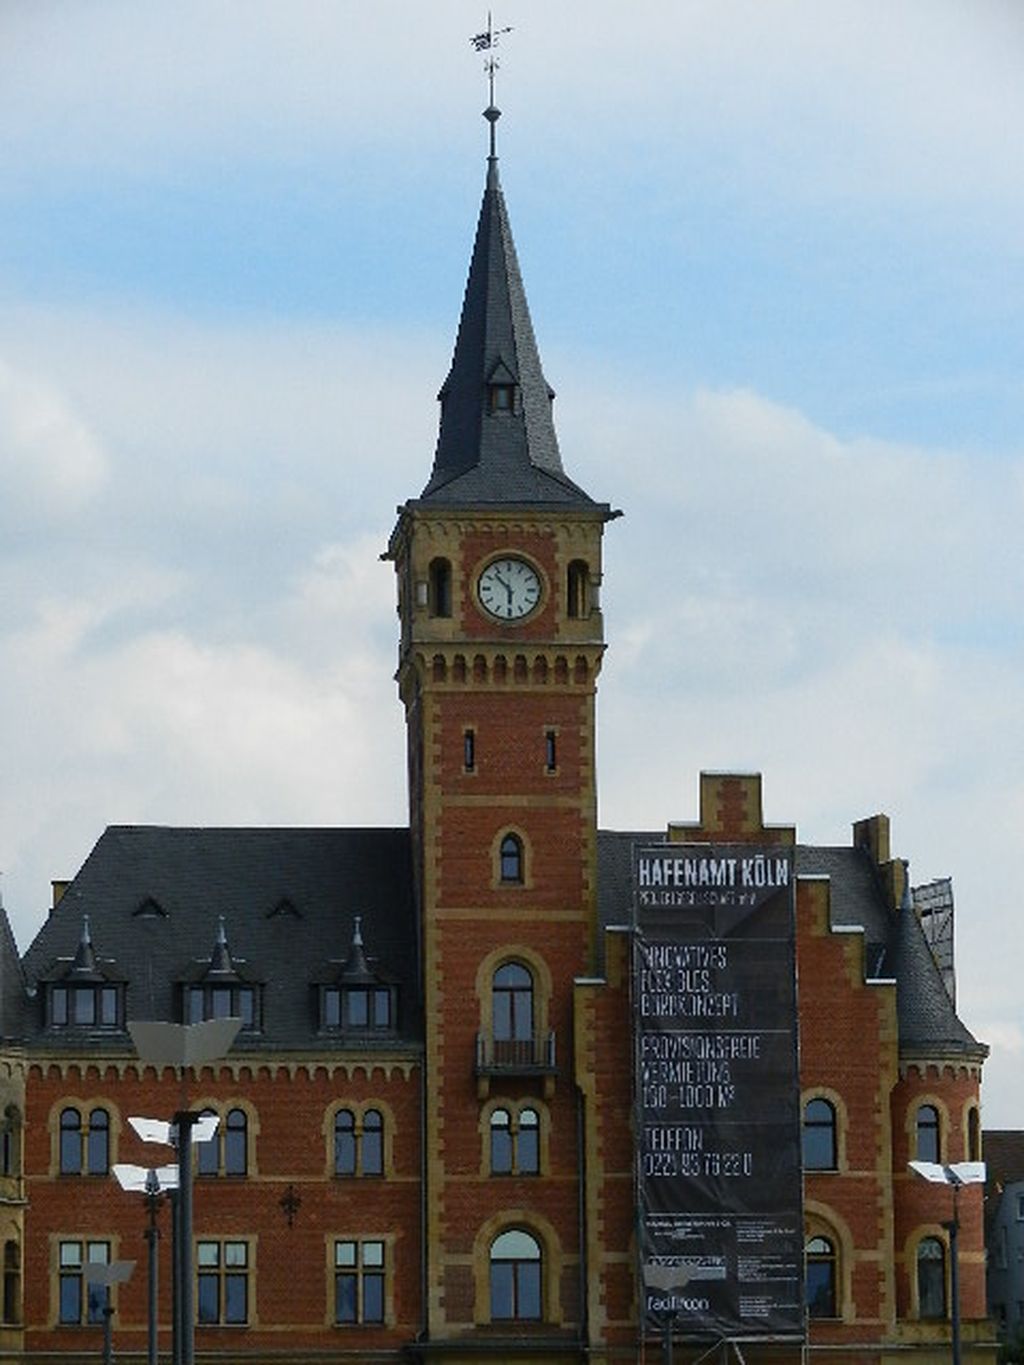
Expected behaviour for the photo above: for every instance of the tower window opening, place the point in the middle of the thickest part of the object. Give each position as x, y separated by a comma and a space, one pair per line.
503, 397
550, 750
440, 587
577, 580
469, 751
511, 859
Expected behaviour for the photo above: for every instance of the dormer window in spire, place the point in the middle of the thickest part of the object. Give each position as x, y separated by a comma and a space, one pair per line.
358, 999
502, 390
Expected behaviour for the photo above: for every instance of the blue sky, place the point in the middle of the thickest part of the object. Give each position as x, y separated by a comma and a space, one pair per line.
774, 256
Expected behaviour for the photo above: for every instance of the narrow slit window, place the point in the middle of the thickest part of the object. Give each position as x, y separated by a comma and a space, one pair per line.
550, 750
469, 751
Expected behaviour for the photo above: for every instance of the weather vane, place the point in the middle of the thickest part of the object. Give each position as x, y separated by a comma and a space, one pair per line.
488, 42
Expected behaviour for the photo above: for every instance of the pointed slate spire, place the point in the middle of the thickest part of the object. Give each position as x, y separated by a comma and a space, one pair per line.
356, 967
497, 441
220, 959
84, 965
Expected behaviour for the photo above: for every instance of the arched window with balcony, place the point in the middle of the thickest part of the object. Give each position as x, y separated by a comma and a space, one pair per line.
512, 1012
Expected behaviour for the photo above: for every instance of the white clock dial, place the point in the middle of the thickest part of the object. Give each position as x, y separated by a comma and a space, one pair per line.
509, 589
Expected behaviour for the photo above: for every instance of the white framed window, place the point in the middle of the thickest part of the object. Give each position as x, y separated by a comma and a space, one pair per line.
360, 1278
223, 1272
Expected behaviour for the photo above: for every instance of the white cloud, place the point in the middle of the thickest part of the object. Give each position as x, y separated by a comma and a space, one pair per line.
51, 463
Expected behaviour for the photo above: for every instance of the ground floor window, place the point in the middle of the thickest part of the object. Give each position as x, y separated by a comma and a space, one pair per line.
820, 1268
359, 1271
81, 1301
931, 1278
222, 1282
515, 1277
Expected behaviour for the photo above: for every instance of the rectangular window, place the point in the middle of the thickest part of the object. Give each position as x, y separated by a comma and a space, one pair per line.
358, 1008
108, 1005
359, 1281
59, 1006
80, 1301
469, 751
1020, 1208
381, 1008
84, 1002
222, 1283
332, 1007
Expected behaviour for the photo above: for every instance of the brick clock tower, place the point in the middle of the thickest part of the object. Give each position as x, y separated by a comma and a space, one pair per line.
498, 564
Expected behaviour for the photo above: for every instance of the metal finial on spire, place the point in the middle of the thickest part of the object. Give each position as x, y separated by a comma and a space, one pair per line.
488, 42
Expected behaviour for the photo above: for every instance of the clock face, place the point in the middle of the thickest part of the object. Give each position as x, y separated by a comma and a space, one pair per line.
509, 589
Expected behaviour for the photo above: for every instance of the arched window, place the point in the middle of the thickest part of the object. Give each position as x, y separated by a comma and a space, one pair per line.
12, 1282
84, 1147
511, 857
515, 1142
373, 1143
236, 1143
70, 1142
577, 578
227, 1152
98, 1143
821, 1279
440, 587
358, 1143
208, 1153
973, 1135
819, 1136
344, 1142
512, 1010
501, 1142
931, 1278
527, 1145
515, 1277
10, 1141
928, 1133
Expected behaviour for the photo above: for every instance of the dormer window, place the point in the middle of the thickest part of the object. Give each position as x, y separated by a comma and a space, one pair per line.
358, 999
503, 397
85, 1006
83, 994
221, 1002
218, 990
357, 1007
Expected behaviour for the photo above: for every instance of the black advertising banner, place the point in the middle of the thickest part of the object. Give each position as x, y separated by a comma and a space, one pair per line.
718, 1090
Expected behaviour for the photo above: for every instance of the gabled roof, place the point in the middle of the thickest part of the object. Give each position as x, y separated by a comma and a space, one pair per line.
894, 943
485, 454
197, 876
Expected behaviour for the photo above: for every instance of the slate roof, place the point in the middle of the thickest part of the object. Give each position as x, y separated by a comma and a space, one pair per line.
289, 899
484, 456
895, 945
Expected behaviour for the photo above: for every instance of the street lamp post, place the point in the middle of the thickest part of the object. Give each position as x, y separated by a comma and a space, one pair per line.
183, 1046
105, 1274
152, 1182
957, 1175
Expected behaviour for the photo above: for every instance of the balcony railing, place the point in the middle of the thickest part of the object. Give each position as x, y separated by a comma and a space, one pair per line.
515, 1056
